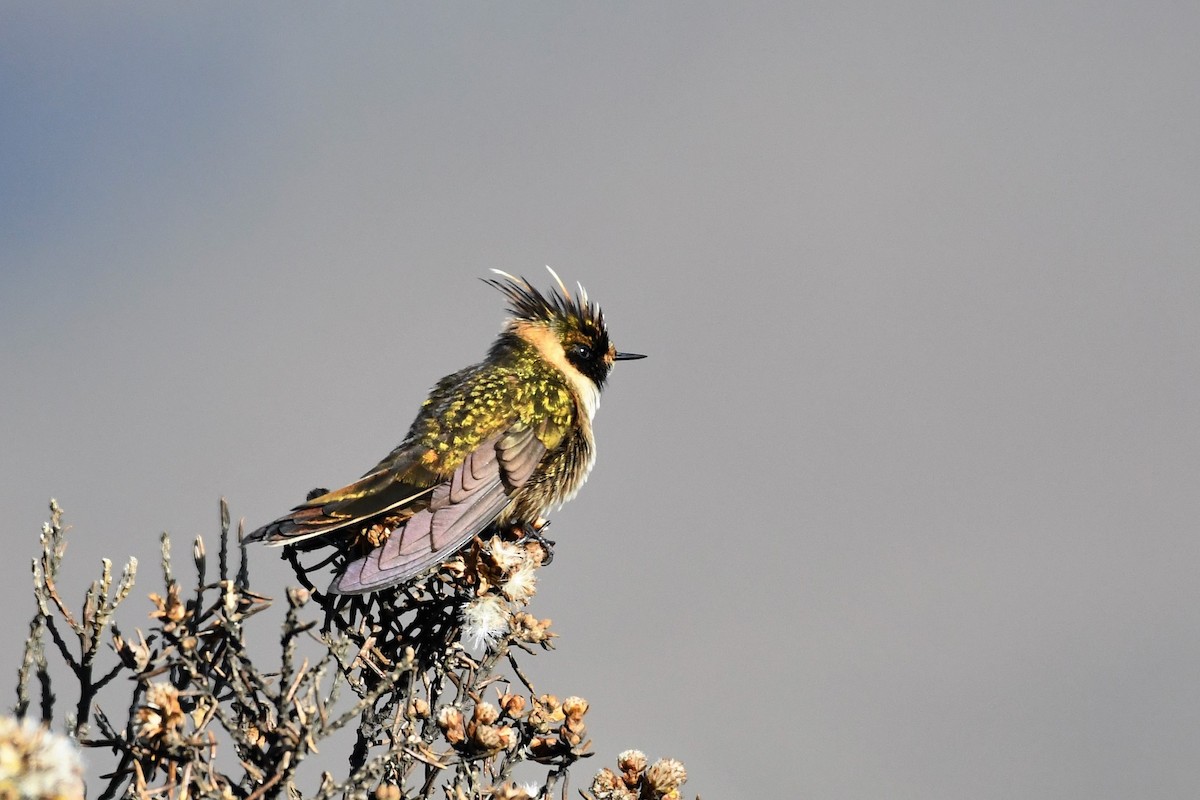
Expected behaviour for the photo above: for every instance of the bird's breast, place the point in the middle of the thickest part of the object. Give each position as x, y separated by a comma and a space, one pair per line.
557, 479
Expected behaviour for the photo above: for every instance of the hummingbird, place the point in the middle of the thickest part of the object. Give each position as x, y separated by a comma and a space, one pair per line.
499, 443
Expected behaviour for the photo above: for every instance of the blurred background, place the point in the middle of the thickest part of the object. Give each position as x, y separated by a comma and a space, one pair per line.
903, 503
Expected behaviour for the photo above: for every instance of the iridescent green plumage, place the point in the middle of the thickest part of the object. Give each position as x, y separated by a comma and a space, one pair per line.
497, 443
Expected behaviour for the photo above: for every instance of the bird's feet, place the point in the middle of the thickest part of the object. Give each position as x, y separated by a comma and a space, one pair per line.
532, 531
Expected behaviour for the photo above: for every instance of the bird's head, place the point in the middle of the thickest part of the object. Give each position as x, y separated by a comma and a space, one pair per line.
567, 330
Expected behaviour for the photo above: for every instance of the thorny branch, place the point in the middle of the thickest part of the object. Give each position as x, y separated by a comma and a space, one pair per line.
427, 676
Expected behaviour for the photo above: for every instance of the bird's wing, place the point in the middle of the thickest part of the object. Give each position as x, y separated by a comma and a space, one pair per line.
457, 509
393, 489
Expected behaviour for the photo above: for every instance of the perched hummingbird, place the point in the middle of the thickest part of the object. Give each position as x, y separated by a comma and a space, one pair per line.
500, 442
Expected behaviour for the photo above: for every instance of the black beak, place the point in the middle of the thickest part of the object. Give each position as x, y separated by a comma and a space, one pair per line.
627, 357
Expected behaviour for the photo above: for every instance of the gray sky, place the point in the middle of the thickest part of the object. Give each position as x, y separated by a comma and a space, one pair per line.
904, 502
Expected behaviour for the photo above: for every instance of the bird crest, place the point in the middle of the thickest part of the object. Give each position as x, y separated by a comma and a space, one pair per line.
562, 309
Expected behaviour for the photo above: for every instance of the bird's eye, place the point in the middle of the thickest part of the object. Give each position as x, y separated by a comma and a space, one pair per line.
581, 352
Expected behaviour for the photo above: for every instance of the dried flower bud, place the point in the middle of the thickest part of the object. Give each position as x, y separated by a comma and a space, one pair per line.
546, 712
419, 707
508, 737
528, 628
631, 763
502, 555
492, 738
161, 719
170, 609
387, 791
572, 734
450, 720
666, 776
298, 596
484, 737
575, 707
573, 730
253, 735
135, 656
36, 764
604, 784
512, 704
543, 748
511, 791
485, 714
455, 568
